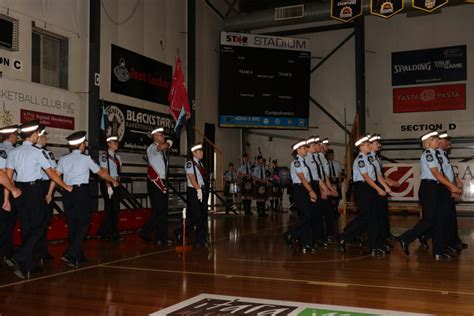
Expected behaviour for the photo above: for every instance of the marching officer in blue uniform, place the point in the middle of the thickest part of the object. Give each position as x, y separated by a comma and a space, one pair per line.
45, 183
453, 242
245, 176
27, 161
366, 192
305, 198
74, 168
157, 157
433, 183
318, 185
197, 195
111, 162
7, 219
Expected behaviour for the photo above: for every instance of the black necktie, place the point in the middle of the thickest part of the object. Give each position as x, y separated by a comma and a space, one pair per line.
331, 164
322, 168
247, 168
439, 158
373, 166
261, 173
309, 170
317, 166
231, 176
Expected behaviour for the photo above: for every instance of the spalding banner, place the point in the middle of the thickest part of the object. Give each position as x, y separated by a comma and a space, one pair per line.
428, 5
386, 8
346, 10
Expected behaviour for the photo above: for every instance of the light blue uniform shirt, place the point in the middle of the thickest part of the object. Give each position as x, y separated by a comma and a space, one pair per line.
112, 166
298, 166
245, 169
324, 165
313, 164
428, 160
52, 162
156, 159
373, 159
335, 169
27, 161
446, 164
193, 169
362, 165
5, 147
75, 167
230, 176
259, 172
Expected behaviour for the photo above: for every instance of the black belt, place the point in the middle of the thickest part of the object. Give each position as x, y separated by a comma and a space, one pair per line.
80, 185
28, 182
430, 180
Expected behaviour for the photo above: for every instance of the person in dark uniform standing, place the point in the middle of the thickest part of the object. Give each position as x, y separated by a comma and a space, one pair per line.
260, 180
27, 161
75, 169
230, 178
111, 162
7, 219
197, 195
245, 176
45, 182
431, 195
366, 193
305, 198
276, 187
453, 242
157, 157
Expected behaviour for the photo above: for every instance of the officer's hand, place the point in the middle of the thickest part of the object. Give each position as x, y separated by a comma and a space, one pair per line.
16, 193
49, 198
388, 190
313, 196
6, 206
199, 195
382, 192
115, 183
110, 191
455, 189
170, 143
334, 192
68, 188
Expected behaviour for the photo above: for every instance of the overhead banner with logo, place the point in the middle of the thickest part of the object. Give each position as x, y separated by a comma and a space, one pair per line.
444, 64
386, 8
61, 111
140, 77
408, 176
429, 98
346, 10
133, 125
428, 5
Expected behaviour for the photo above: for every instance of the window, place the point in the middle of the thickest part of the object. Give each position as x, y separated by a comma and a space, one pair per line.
8, 33
49, 59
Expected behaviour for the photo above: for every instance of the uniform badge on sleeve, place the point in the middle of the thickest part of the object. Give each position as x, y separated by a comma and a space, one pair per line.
297, 164
189, 164
45, 155
371, 159
361, 164
103, 158
3, 154
429, 157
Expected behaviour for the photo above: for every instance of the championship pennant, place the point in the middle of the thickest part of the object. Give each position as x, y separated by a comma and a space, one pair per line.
346, 10
428, 5
386, 8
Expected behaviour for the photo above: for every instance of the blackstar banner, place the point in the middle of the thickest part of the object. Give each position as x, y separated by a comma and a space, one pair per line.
346, 10
443, 64
428, 5
138, 76
386, 8
133, 126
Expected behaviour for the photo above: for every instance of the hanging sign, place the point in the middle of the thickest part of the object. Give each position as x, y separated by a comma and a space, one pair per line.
428, 5
346, 10
386, 8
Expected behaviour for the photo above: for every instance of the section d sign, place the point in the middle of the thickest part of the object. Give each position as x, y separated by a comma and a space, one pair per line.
138, 76
442, 64
133, 126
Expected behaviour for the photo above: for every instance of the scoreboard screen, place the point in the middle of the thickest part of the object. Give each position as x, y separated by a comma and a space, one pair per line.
264, 81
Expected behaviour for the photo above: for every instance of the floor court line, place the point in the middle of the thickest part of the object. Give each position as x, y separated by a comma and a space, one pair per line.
122, 260
310, 282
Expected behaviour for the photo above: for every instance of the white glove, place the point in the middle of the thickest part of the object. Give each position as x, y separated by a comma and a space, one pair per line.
110, 191
199, 193
170, 142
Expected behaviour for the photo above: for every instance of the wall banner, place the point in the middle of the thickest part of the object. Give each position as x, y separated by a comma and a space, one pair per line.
346, 10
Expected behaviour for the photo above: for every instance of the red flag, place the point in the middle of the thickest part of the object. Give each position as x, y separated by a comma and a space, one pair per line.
178, 96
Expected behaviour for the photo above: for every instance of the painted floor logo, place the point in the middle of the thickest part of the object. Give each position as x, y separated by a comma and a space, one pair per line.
220, 305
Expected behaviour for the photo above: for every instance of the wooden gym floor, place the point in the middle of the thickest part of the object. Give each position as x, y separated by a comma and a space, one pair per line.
246, 258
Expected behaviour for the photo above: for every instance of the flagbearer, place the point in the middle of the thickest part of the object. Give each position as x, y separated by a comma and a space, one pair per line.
197, 195
27, 161
75, 167
157, 155
111, 162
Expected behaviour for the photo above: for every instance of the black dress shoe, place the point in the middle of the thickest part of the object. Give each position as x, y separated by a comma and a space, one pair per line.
8, 261
423, 242
322, 243
66, 258
360, 241
387, 248
342, 245
463, 245
377, 252
19, 269
442, 256
145, 237
404, 246
288, 240
307, 249
202, 245
164, 242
